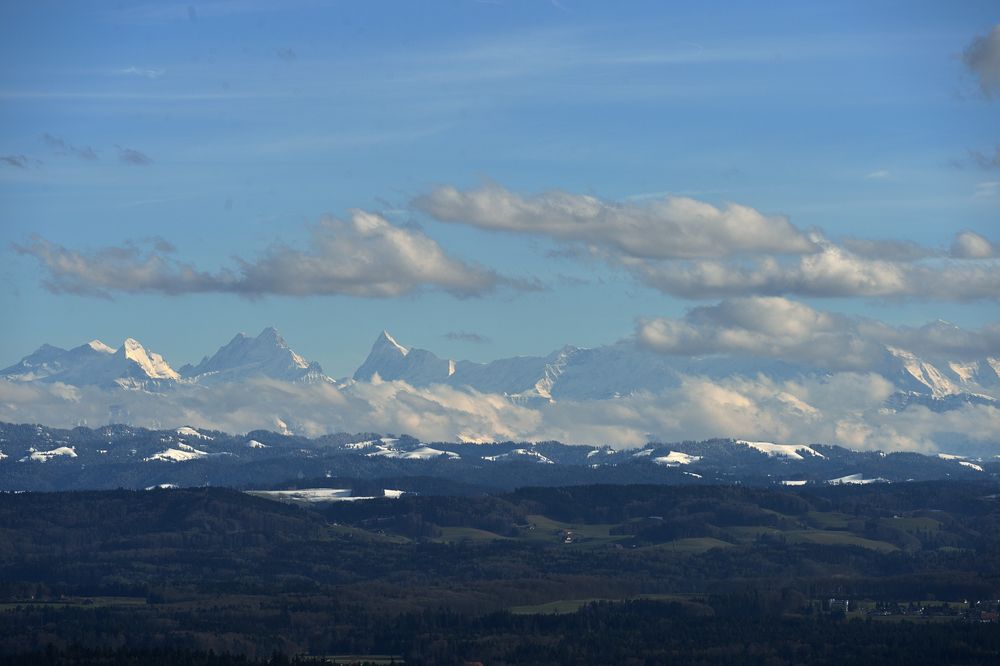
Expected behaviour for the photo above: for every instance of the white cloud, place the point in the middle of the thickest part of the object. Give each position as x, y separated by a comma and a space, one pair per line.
833, 272
691, 249
970, 245
841, 408
775, 327
989, 188
674, 227
146, 73
363, 256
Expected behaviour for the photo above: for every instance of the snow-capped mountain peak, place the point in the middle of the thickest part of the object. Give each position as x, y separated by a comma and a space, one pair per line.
386, 340
99, 346
267, 355
151, 364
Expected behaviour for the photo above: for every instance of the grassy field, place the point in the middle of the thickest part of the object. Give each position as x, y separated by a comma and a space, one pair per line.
833, 538
456, 534
65, 602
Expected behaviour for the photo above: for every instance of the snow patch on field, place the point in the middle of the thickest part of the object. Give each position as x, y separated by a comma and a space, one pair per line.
318, 495
792, 451
520, 453
188, 431
45, 456
182, 453
790, 482
422, 453
855, 479
675, 458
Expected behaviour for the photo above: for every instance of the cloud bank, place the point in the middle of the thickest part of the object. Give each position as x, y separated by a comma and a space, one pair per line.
840, 408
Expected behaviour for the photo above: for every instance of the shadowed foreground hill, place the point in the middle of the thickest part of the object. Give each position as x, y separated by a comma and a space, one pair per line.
653, 572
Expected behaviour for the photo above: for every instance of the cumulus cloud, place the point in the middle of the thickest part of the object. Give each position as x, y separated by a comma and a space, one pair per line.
671, 228
982, 57
775, 327
970, 245
363, 256
833, 272
692, 249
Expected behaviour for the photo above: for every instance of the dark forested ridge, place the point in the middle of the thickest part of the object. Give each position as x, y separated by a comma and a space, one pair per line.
582, 574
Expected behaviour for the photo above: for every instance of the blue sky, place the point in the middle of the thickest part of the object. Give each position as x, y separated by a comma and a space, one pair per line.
228, 129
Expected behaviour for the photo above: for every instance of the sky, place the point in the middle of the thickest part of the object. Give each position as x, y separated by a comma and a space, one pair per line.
492, 178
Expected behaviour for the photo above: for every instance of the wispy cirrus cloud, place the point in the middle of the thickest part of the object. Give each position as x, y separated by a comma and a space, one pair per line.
142, 72
986, 161
467, 336
62, 147
364, 256
982, 57
133, 157
18, 161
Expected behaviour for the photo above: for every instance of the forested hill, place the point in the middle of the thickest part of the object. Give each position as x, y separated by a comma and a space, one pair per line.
222, 570
34, 457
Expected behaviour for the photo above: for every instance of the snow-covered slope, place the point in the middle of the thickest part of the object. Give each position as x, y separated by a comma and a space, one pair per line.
267, 355
793, 451
48, 362
94, 363
520, 454
130, 366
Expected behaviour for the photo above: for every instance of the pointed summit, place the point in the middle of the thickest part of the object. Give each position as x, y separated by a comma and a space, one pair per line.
150, 364
99, 346
271, 335
391, 360
266, 355
384, 340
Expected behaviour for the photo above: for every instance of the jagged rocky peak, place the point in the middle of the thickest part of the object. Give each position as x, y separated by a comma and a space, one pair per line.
387, 342
267, 355
390, 360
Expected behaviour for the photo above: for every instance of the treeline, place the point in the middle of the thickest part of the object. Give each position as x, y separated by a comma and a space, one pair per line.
634, 632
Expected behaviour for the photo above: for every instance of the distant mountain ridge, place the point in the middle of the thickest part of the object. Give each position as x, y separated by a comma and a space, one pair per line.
570, 373
34, 457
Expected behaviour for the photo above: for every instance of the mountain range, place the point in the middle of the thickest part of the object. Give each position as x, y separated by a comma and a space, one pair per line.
570, 373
